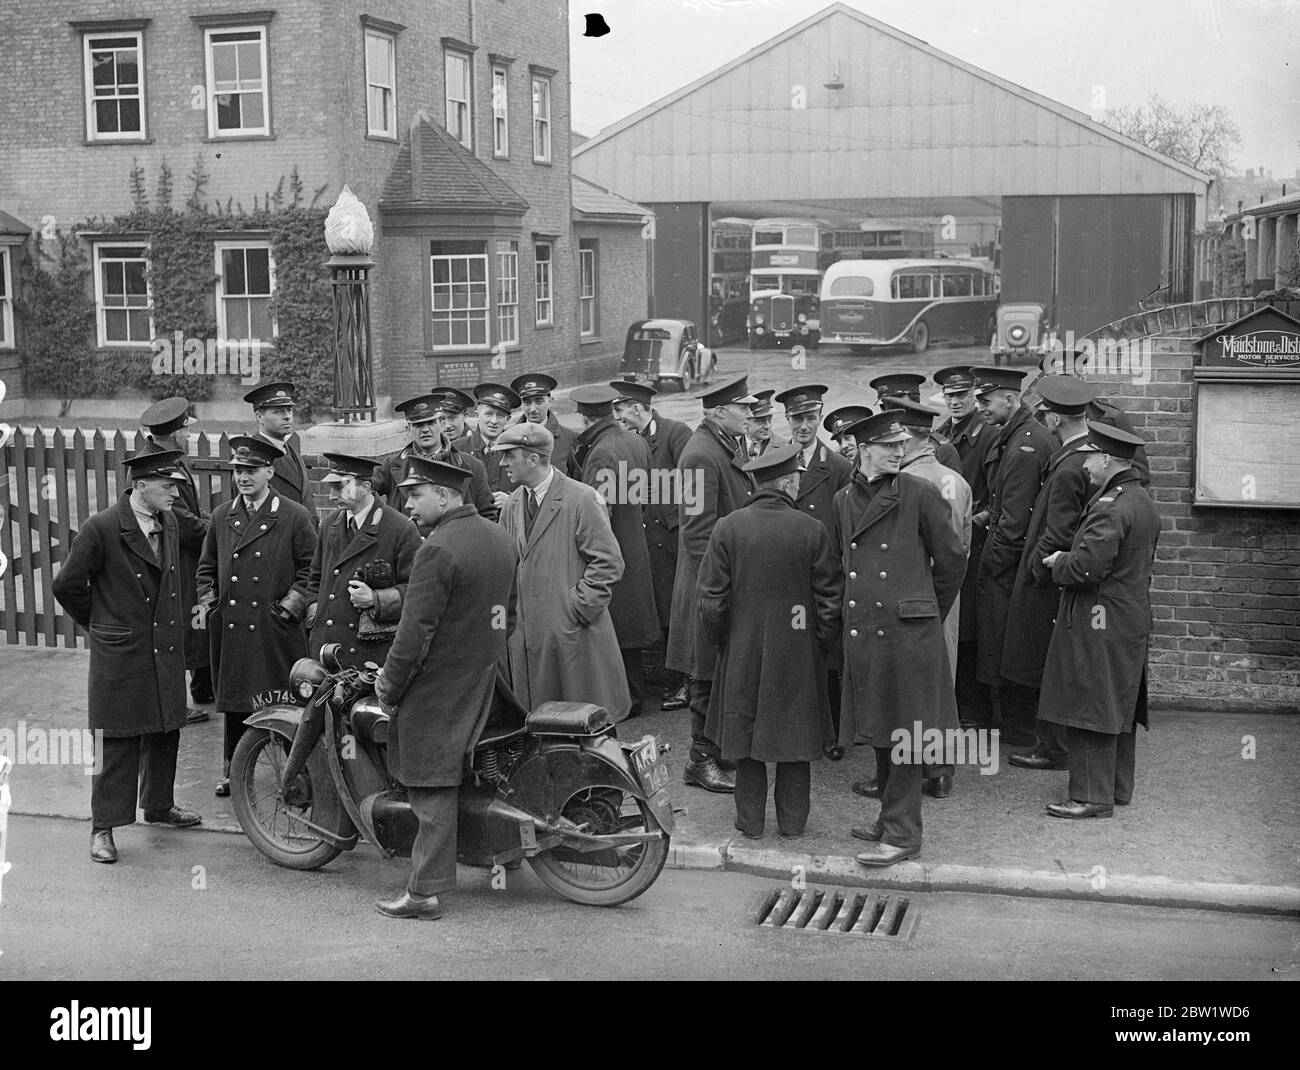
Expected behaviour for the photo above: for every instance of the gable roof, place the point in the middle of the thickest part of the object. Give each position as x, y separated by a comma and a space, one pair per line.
593, 203
435, 171
10, 225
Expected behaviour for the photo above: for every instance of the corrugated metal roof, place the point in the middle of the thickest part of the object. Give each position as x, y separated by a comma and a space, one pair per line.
1277, 206
444, 175
591, 200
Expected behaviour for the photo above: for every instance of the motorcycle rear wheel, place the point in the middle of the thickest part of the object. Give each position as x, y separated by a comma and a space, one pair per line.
255, 789
582, 877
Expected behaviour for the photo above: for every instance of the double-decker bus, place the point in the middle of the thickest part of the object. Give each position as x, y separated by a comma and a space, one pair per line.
729, 262
783, 282
876, 239
912, 302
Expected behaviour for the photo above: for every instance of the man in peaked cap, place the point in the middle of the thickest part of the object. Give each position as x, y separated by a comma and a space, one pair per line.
907, 385
904, 563
255, 563
496, 405
769, 701
634, 408
121, 583
273, 409
1035, 597
534, 390
758, 425
1095, 679
459, 604
1014, 467
166, 425
425, 420
363, 536
617, 464
713, 484
455, 404
837, 423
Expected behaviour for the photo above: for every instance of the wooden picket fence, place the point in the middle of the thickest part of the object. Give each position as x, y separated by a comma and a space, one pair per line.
50, 484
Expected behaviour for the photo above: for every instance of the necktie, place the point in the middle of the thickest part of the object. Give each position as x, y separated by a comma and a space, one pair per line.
803, 458
530, 512
152, 531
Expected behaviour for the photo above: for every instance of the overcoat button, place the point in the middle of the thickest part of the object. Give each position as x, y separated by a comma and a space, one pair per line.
252, 627
336, 572
254, 605
883, 575
263, 527
811, 507
879, 605
232, 601
853, 575
230, 625
171, 624
852, 604
236, 555
257, 553
349, 624
853, 632
884, 546
234, 579
137, 575
880, 633
254, 579
171, 649
329, 624
331, 598
853, 546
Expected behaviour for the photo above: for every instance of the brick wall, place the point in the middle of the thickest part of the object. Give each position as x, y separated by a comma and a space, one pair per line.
1225, 588
622, 294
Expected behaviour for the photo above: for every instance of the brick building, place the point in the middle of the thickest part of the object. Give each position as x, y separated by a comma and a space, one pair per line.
449, 120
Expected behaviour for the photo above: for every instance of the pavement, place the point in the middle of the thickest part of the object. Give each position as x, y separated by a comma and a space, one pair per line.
1214, 823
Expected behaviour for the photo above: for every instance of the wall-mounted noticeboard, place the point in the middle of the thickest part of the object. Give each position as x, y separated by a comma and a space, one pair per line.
1247, 410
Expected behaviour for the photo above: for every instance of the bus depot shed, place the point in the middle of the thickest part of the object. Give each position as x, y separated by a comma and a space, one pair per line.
845, 118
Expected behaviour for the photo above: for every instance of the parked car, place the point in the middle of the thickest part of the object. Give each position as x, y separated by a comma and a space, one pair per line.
1020, 330
663, 349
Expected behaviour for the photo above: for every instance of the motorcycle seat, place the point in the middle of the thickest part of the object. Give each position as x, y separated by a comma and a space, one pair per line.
370, 723
567, 719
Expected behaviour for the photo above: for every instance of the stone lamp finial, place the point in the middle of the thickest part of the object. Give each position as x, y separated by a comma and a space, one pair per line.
348, 230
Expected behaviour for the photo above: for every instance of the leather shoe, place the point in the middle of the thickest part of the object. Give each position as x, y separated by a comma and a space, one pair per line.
193, 716
675, 700
102, 847
939, 787
707, 774
834, 752
1034, 761
406, 905
1076, 809
177, 817
886, 854
749, 835
869, 788
871, 833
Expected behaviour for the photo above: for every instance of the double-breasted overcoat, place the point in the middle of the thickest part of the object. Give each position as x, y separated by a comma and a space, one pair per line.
389, 474
971, 437
666, 439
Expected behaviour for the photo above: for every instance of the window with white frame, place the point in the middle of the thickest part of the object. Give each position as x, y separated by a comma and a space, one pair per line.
381, 84
458, 283
122, 295
541, 119
245, 284
6, 300
507, 292
239, 93
587, 268
500, 112
114, 66
542, 277
460, 123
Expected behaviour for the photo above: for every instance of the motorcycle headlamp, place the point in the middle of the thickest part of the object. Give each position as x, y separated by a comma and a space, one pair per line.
305, 676
758, 319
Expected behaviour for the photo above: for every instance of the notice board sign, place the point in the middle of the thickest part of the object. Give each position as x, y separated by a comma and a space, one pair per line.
462, 373
1247, 405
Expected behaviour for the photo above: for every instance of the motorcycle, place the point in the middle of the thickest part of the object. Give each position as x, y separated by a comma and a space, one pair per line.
589, 812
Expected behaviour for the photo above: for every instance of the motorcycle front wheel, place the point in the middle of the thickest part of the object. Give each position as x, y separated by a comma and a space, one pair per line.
610, 877
271, 821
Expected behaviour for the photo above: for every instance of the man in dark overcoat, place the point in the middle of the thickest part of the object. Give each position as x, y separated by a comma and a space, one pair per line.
1095, 680
1014, 467
666, 439
770, 590
534, 390
971, 436
424, 419
836, 423
617, 464
363, 533
496, 403
442, 669
121, 582
255, 563
713, 484
1035, 597
823, 471
273, 410
166, 425
904, 562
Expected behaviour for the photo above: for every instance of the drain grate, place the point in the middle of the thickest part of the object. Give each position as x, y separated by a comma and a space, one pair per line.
850, 911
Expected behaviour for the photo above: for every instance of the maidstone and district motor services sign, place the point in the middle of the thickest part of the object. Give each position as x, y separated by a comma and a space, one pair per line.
1266, 340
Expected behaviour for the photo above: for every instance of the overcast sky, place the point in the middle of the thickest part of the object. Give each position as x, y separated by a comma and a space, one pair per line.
1243, 54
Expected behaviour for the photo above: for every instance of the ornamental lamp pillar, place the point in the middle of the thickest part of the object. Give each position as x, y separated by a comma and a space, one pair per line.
350, 238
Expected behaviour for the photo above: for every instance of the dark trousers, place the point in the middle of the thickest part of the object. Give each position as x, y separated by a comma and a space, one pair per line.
974, 701
900, 800
1053, 741
701, 746
1019, 709
133, 766
1102, 766
201, 684
833, 693
634, 670
433, 856
232, 730
792, 796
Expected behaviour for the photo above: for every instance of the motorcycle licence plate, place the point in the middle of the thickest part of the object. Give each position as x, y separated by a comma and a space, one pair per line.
651, 765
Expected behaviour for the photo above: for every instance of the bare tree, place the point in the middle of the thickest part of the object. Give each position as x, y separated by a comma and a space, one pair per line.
1202, 135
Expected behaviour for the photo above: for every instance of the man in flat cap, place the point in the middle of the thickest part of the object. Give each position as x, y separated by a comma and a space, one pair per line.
905, 561
273, 409
121, 582
424, 419
837, 423
634, 409
617, 464
496, 405
460, 604
714, 483
1035, 597
971, 436
758, 425
166, 425
256, 561
770, 591
563, 646
534, 390
907, 385
1095, 680
362, 536
1014, 467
